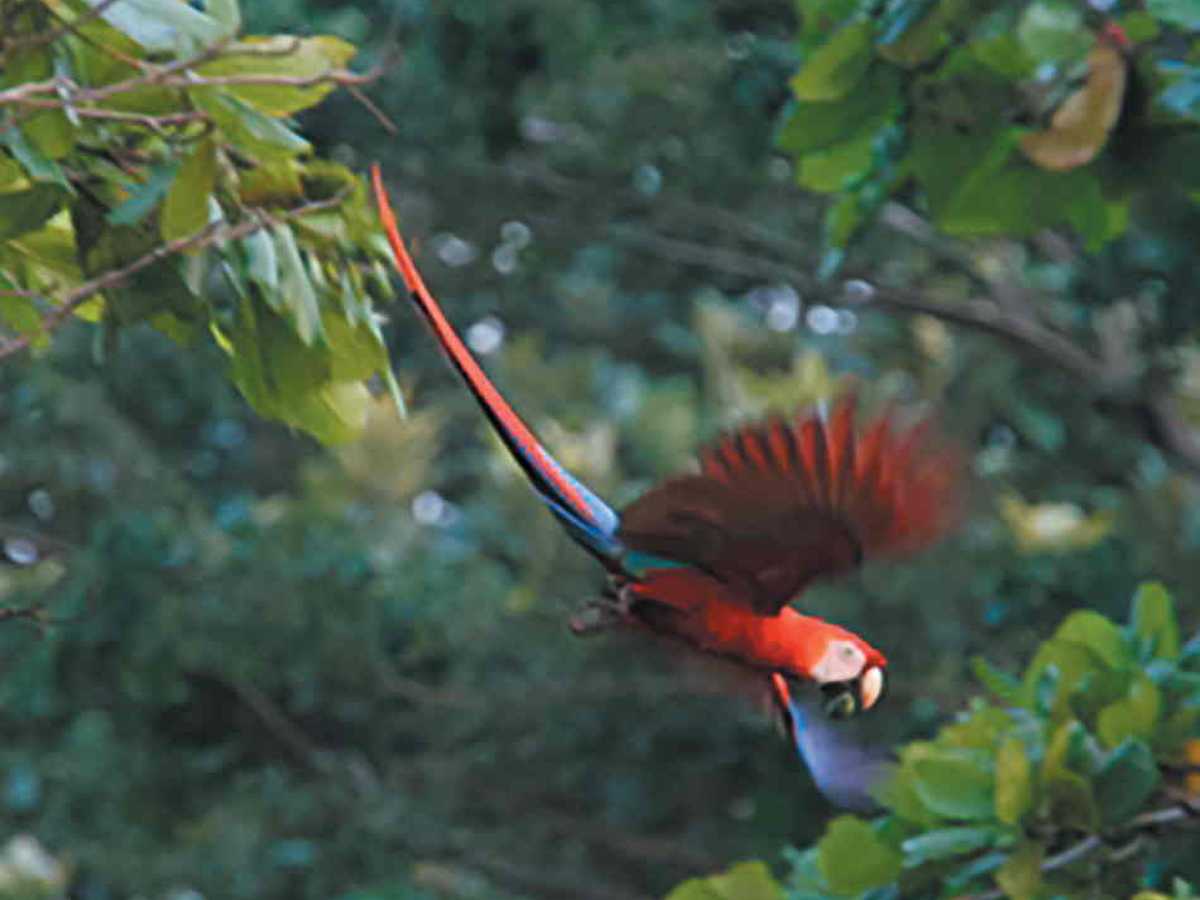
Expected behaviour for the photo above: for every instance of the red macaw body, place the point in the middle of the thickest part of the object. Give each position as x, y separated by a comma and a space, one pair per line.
714, 558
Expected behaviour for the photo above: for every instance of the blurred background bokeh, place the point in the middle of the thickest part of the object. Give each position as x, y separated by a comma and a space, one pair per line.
282, 671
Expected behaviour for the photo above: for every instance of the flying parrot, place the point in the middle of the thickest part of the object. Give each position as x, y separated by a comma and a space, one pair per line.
713, 559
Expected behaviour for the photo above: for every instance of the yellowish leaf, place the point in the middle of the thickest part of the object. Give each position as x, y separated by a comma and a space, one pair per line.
1082, 124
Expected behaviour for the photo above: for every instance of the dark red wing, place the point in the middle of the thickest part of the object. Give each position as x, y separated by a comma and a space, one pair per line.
779, 504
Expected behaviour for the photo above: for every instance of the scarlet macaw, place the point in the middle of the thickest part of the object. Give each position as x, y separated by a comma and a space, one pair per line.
714, 558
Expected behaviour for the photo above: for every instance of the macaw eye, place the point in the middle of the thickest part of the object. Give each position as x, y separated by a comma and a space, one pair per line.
870, 686
841, 700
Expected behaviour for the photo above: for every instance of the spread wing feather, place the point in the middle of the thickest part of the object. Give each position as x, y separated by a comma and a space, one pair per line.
779, 504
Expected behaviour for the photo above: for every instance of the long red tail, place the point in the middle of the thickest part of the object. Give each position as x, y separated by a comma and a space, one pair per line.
588, 518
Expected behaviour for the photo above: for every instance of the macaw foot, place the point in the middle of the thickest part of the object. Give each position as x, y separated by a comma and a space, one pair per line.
612, 609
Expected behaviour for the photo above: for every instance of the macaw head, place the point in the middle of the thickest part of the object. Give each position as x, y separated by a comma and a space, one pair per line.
850, 673
848, 770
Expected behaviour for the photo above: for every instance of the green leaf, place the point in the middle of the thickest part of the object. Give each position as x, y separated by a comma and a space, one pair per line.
1074, 666
852, 858
1134, 715
836, 167
161, 25
1141, 27
1021, 875
357, 352
1004, 55
1128, 778
145, 197
1014, 781
1183, 14
945, 843
743, 881
955, 784
842, 220
913, 31
29, 209
1099, 635
185, 210
1154, 620
1070, 747
1006, 688
835, 68
295, 288
277, 182
37, 165
226, 14
249, 130
20, 313
281, 56
1053, 30
873, 102
49, 131
262, 265
1070, 802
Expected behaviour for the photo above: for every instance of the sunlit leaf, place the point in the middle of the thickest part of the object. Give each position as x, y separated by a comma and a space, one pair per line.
1040, 527
955, 784
837, 66
252, 132
1014, 781
852, 858
1052, 30
49, 131
161, 24
1099, 635
185, 209
295, 288
1134, 715
1004, 686
1154, 620
743, 881
285, 57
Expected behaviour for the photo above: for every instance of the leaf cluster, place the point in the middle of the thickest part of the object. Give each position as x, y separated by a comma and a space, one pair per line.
995, 118
150, 173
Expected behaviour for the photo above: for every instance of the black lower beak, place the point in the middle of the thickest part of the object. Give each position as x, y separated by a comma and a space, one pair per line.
840, 699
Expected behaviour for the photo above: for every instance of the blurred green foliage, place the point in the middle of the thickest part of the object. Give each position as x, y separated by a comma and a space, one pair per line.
976, 110
277, 673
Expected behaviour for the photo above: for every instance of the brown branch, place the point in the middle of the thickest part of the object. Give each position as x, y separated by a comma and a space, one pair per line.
35, 614
157, 123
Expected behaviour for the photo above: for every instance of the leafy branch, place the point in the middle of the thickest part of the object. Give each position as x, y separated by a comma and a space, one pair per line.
210, 234
148, 162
